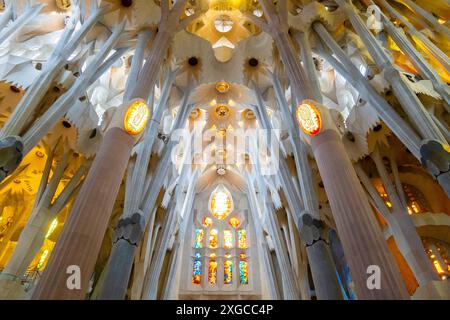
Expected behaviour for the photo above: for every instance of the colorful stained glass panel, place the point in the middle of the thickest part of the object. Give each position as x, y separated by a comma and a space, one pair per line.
242, 239
243, 272
212, 272
228, 272
199, 236
197, 269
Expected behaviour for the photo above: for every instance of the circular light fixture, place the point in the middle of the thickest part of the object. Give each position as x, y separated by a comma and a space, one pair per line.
309, 118
222, 86
136, 117
223, 23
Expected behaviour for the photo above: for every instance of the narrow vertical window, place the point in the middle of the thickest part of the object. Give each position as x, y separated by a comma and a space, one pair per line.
197, 269
199, 236
243, 269
227, 239
228, 271
242, 239
212, 269
213, 238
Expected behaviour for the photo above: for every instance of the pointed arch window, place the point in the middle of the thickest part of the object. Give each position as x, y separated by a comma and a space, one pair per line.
221, 202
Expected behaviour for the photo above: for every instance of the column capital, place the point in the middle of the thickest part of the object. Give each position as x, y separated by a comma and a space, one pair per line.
11, 154
435, 157
310, 229
130, 229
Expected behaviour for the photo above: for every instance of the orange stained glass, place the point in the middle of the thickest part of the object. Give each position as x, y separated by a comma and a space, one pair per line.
212, 271
309, 118
207, 222
213, 238
235, 222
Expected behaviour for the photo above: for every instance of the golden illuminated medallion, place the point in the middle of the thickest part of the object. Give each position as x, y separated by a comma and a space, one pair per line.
63, 4
136, 117
222, 111
309, 118
222, 86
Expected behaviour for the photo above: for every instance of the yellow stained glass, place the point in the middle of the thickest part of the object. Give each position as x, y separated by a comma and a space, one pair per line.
52, 228
242, 239
227, 239
213, 238
220, 204
42, 259
212, 271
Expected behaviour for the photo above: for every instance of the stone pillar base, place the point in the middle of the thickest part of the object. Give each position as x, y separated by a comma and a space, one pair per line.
11, 290
433, 290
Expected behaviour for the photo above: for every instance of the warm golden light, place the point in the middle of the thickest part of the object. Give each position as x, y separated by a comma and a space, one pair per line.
63, 4
52, 228
136, 117
222, 111
438, 267
309, 118
207, 222
42, 259
222, 86
234, 222
220, 203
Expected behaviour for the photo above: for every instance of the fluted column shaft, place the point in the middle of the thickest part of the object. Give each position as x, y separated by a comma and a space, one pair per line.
357, 227
82, 236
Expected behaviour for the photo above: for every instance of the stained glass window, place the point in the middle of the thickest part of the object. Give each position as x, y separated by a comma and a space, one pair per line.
212, 270
197, 269
228, 272
221, 203
242, 239
207, 222
227, 239
213, 238
243, 271
234, 222
199, 236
